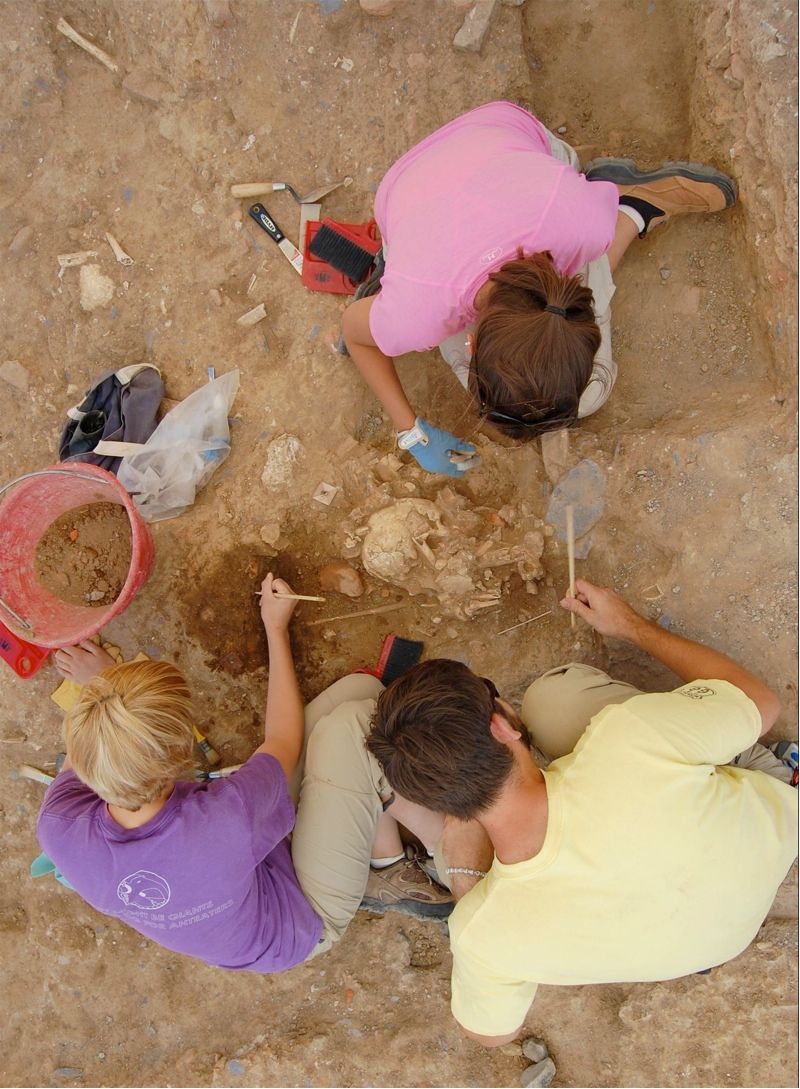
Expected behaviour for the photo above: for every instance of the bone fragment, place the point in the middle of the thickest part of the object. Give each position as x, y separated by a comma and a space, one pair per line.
120, 254
71, 260
63, 27
254, 316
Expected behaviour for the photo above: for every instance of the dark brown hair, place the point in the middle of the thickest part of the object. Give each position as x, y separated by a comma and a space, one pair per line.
529, 362
431, 736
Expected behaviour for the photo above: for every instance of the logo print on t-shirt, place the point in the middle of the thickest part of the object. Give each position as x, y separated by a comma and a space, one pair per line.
144, 889
492, 255
697, 691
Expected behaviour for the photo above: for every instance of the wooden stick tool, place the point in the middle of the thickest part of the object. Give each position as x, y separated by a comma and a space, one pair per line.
294, 597
571, 555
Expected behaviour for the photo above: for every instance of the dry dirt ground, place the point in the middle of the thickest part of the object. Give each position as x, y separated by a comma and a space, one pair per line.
694, 454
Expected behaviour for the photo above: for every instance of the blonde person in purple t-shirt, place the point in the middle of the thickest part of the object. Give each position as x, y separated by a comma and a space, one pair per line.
500, 252
207, 869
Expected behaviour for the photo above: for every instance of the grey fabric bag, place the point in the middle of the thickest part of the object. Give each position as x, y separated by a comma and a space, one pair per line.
121, 406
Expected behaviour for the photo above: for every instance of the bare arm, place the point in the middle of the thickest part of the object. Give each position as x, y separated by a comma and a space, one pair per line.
376, 368
609, 615
283, 723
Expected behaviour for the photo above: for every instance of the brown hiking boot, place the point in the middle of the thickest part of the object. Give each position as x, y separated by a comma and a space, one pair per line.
405, 888
674, 188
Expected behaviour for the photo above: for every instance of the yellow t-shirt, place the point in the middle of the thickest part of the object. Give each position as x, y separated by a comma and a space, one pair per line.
656, 863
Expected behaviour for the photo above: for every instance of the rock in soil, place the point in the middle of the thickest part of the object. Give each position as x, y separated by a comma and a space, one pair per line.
85, 555
540, 1074
535, 1049
342, 579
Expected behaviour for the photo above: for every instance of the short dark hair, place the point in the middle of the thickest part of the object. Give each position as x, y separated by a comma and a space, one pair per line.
531, 363
430, 734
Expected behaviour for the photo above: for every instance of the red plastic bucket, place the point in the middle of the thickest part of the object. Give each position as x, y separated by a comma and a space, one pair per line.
31, 504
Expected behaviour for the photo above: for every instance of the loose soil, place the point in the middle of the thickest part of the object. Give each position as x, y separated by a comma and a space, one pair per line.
85, 555
696, 449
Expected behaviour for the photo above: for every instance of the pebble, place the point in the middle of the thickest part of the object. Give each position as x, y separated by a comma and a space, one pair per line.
535, 1049
68, 1072
562, 129
665, 273
236, 1068
342, 579
15, 374
21, 240
540, 1074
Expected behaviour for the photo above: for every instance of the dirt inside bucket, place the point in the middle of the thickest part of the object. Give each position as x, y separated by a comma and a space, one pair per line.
84, 556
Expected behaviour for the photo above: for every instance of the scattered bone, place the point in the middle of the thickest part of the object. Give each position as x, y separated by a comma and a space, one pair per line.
342, 578
72, 260
254, 316
63, 27
445, 549
122, 257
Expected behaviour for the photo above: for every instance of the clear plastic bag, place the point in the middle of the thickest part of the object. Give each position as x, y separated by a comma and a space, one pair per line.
180, 456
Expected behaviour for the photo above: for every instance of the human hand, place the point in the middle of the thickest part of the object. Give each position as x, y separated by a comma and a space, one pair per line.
604, 610
276, 612
83, 662
443, 452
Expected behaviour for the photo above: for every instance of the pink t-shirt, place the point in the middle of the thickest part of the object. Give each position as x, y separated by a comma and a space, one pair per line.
458, 206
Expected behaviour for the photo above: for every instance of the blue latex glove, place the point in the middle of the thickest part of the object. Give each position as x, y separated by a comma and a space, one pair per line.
435, 454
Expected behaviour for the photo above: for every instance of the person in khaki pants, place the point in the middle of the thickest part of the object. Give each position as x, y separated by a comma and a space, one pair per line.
651, 847
206, 868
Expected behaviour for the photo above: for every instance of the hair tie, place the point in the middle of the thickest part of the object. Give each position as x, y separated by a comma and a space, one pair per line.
556, 310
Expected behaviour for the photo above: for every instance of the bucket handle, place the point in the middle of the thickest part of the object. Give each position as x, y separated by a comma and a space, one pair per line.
25, 476
53, 472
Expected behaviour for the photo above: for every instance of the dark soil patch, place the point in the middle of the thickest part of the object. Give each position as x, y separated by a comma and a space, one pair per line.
85, 555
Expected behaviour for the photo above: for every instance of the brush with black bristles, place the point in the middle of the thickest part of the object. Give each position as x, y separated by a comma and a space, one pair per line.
334, 246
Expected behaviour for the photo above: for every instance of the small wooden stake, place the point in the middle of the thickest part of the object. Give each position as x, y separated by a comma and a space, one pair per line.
360, 612
294, 597
571, 555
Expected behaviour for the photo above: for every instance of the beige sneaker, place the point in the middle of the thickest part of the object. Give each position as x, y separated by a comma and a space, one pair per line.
405, 888
675, 188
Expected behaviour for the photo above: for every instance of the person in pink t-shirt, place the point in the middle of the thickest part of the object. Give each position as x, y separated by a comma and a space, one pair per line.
500, 251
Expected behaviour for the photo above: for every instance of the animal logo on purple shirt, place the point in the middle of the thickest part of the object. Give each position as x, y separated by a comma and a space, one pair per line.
144, 889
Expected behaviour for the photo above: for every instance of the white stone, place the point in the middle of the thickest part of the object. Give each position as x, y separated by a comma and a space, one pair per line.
96, 288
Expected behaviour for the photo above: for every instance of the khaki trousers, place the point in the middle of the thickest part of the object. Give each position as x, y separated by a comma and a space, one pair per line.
340, 803
558, 707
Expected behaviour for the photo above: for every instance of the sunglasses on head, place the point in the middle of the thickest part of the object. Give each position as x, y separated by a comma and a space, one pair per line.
549, 420
492, 689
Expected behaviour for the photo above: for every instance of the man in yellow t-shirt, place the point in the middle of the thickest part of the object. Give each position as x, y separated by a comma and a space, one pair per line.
650, 848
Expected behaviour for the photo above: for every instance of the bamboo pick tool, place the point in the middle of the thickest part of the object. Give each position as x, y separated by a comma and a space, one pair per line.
294, 597
522, 623
571, 556
359, 612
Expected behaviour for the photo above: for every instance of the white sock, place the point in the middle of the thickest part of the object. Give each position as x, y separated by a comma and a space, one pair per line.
637, 217
384, 863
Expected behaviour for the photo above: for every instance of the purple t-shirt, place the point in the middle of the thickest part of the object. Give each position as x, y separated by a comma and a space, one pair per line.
210, 875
